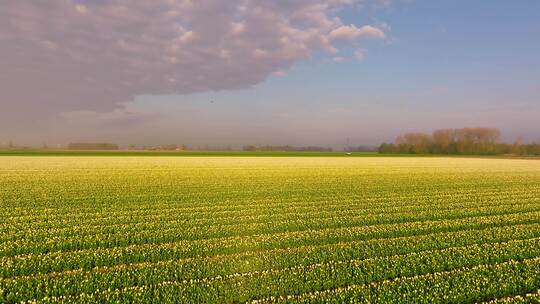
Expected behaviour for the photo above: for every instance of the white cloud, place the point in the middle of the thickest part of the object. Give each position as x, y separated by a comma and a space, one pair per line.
339, 59
351, 32
68, 55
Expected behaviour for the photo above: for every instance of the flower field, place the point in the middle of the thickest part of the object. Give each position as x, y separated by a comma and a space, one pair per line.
137, 229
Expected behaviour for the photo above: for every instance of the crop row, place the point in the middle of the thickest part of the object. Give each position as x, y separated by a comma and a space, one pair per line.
464, 285
163, 204
215, 228
304, 281
528, 298
56, 263
39, 230
258, 239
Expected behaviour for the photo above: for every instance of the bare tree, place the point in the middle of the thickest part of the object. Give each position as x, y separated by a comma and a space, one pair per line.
450, 141
414, 142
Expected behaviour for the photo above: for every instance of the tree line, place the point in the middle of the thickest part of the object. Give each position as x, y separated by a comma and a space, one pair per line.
287, 148
481, 141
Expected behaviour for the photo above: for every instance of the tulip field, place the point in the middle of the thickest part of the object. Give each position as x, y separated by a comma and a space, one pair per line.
247, 229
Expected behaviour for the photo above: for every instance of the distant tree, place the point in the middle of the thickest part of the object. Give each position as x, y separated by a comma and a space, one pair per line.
414, 143
533, 149
11, 145
477, 140
387, 148
360, 149
518, 148
457, 141
443, 139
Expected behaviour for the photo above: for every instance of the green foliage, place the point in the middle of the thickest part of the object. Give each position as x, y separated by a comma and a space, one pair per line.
263, 230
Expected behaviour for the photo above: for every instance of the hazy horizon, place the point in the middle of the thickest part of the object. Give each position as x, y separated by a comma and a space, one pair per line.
233, 73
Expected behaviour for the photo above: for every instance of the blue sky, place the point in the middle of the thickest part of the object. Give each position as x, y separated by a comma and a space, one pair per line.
469, 46
440, 64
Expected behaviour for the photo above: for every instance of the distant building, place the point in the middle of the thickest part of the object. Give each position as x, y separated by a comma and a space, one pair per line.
92, 146
286, 148
169, 147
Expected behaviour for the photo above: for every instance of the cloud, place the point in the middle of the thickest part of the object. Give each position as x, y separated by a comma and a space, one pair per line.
339, 59
70, 55
351, 32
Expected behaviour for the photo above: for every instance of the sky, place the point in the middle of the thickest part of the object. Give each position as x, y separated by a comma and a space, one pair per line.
215, 73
